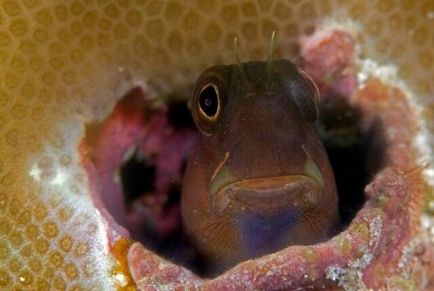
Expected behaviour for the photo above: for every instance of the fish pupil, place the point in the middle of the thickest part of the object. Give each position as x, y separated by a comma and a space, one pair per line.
208, 101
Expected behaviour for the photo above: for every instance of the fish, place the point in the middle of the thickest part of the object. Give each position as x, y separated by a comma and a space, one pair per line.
258, 178
64, 65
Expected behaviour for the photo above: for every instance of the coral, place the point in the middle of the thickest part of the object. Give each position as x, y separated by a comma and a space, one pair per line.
64, 64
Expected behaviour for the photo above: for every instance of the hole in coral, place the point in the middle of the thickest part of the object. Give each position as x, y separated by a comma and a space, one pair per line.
141, 191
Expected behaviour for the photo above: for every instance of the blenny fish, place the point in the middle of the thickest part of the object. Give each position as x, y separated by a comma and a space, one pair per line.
68, 68
259, 178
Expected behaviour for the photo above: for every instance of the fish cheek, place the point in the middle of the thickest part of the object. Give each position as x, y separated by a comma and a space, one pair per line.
194, 197
212, 232
318, 167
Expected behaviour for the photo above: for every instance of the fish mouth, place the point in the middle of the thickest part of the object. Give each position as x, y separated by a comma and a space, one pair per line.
267, 195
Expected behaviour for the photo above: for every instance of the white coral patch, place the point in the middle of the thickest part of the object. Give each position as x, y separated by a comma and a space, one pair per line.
350, 277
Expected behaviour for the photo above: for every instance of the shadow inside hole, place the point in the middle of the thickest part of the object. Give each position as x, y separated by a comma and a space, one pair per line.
355, 154
138, 180
143, 188
138, 177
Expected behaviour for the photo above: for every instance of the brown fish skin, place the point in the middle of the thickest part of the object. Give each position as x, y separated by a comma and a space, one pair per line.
259, 178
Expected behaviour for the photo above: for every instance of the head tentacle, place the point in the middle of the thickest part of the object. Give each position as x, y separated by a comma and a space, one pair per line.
270, 56
239, 64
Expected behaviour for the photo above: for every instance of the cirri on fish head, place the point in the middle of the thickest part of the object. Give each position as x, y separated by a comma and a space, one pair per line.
259, 178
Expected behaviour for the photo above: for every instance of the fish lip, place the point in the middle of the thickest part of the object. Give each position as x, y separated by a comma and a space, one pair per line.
267, 194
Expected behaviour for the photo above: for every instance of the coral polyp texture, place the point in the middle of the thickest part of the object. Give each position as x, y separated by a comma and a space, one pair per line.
65, 64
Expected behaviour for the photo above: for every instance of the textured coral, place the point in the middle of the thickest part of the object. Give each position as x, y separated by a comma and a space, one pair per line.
63, 63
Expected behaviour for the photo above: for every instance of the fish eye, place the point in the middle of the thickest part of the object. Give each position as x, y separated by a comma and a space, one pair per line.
209, 102
209, 99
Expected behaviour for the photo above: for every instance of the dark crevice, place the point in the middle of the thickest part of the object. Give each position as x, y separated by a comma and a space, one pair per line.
138, 177
179, 115
355, 155
174, 195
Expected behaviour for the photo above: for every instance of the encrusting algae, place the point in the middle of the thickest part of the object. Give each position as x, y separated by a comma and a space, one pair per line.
65, 65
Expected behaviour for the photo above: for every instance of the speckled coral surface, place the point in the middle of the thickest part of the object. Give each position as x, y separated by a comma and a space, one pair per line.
66, 62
